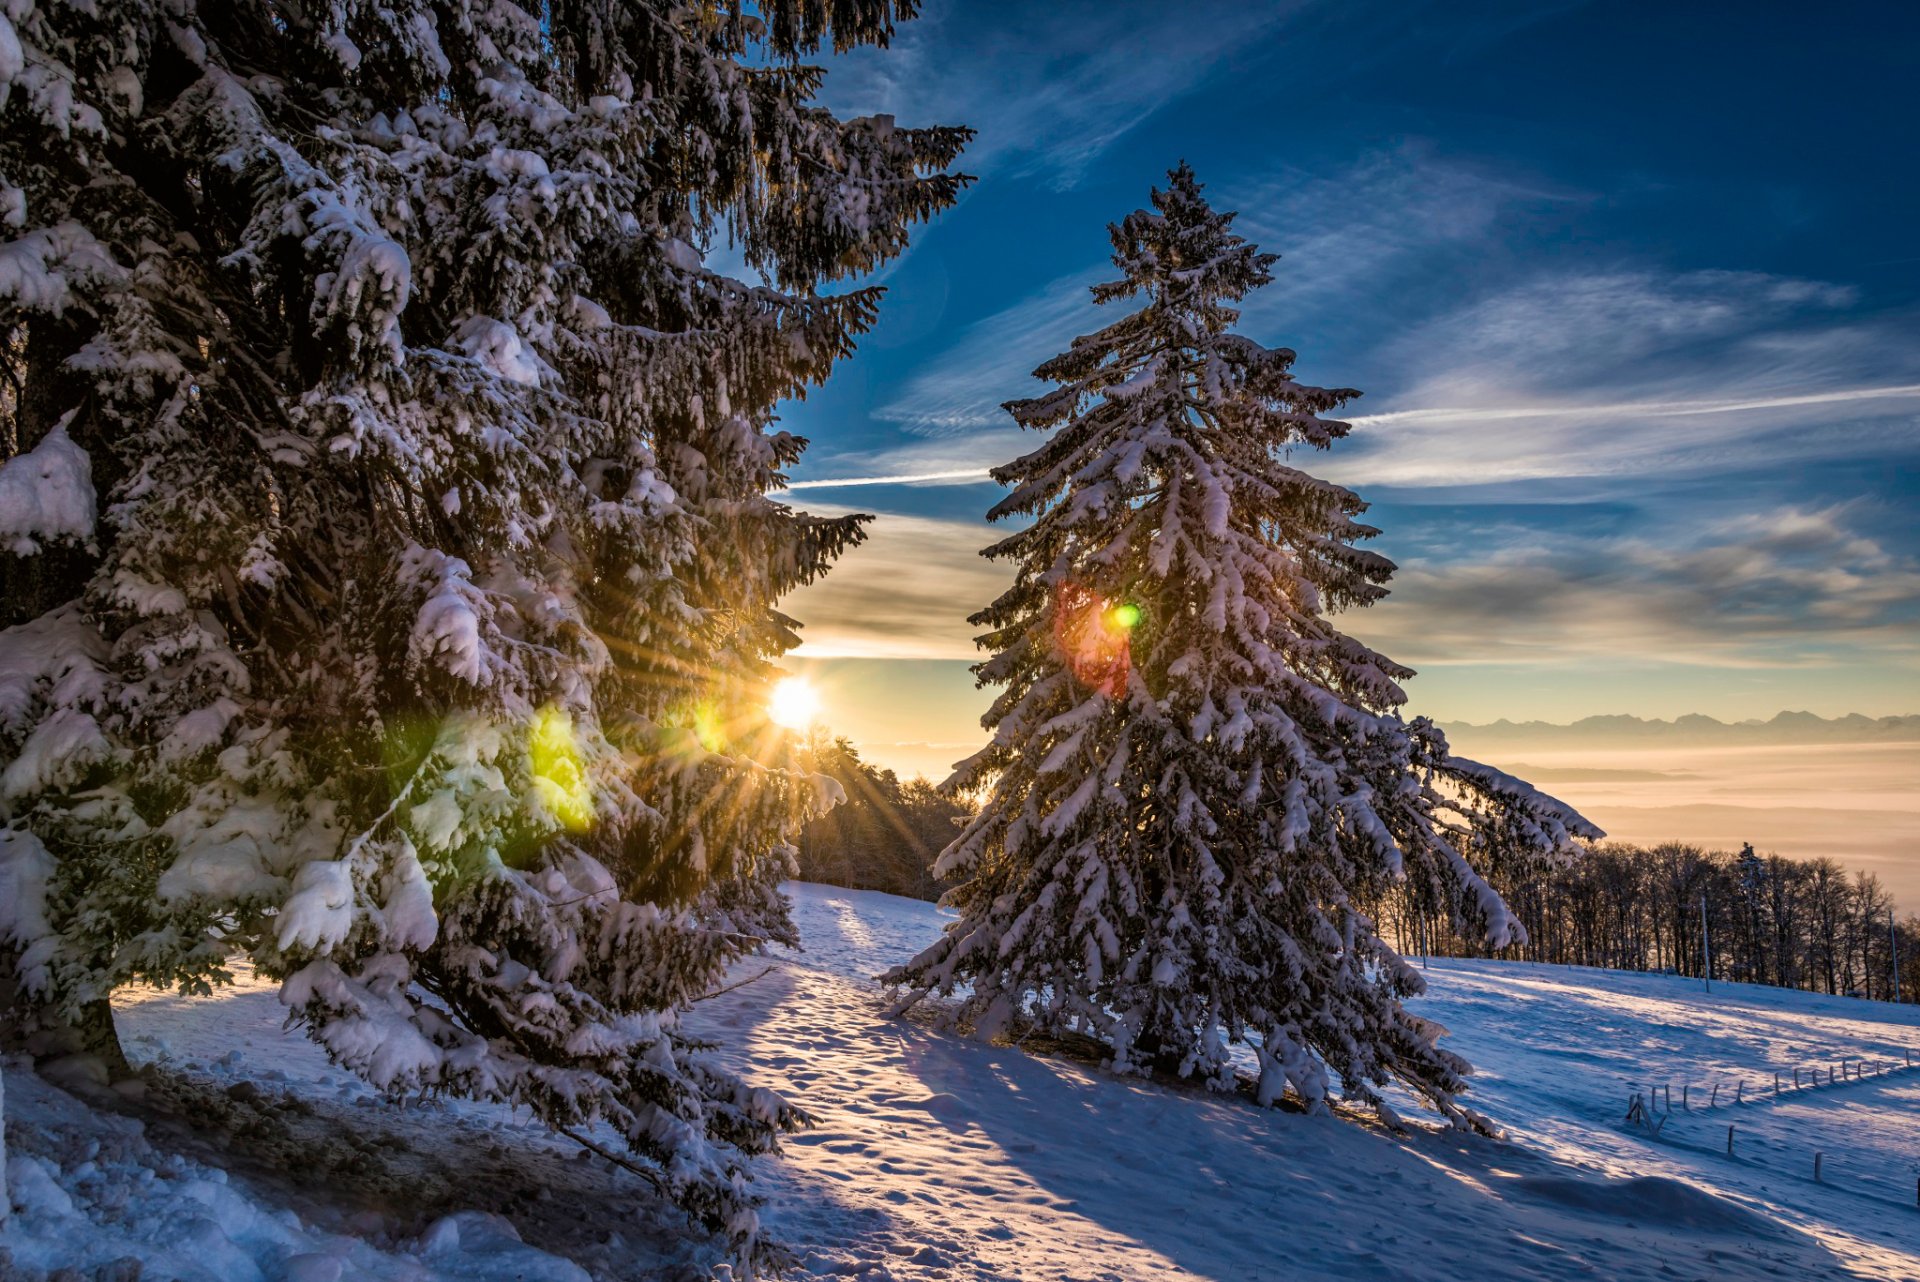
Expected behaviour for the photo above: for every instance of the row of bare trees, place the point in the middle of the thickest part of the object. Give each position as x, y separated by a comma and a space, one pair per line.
1769, 919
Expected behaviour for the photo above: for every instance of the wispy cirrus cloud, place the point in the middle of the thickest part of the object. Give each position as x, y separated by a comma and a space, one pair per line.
922, 478
1640, 327
1639, 373
1048, 87
992, 361
1351, 240
955, 457
1345, 239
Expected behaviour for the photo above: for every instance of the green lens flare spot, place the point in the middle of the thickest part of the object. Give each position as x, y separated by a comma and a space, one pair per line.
1126, 616
559, 770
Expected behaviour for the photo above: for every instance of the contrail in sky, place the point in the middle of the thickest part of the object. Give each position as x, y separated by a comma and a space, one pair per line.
966, 474
1659, 409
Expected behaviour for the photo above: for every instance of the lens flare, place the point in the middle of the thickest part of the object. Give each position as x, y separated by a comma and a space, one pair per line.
794, 704
708, 728
1093, 635
559, 771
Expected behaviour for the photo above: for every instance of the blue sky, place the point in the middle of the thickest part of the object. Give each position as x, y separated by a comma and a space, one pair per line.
1633, 292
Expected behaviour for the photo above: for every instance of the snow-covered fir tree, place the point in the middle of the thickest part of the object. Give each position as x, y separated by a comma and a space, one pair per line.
1194, 776
390, 531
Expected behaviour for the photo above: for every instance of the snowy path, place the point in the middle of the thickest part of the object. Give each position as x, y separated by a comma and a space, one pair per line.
939, 1158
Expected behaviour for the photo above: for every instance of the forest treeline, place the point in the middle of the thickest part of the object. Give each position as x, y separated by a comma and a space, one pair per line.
1768, 919
1772, 919
887, 833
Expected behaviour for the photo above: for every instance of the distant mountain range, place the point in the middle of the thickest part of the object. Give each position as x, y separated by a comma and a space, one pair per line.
1788, 727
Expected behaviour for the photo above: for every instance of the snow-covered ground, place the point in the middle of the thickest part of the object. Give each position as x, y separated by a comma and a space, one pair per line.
937, 1158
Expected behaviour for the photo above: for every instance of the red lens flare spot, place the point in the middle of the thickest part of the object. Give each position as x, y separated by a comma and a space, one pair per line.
1093, 635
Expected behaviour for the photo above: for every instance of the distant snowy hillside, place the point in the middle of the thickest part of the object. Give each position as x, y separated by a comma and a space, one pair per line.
938, 1158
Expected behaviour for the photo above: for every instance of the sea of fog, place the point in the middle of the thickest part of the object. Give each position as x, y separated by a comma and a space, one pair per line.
1858, 802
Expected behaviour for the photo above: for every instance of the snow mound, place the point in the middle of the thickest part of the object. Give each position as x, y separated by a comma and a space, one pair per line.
474, 1244
1652, 1199
91, 1193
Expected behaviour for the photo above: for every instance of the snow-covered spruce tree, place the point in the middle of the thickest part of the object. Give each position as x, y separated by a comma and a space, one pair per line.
390, 548
1194, 776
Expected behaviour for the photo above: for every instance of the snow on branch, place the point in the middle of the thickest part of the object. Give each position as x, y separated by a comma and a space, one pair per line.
46, 494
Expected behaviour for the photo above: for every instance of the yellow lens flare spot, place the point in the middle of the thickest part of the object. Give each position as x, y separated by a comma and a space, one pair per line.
559, 771
1125, 616
794, 703
708, 728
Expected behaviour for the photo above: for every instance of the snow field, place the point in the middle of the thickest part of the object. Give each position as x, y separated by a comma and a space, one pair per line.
935, 1157
1560, 1050
1045, 1169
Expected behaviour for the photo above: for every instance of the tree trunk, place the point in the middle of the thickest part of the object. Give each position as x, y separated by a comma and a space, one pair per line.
47, 1034
1157, 1055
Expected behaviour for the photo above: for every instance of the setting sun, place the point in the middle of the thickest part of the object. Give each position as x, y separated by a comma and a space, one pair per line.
795, 703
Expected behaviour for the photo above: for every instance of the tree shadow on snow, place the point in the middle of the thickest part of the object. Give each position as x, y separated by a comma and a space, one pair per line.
1224, 1189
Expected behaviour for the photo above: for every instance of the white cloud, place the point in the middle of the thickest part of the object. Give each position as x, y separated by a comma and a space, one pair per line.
1343, 236
961, 457
903, 594
955, 476
1570, 327
993, 361
1789, 587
